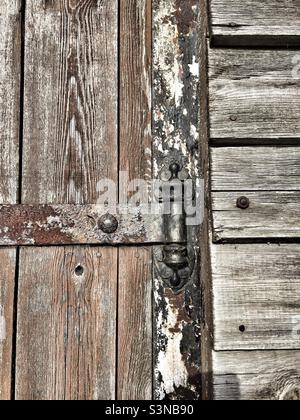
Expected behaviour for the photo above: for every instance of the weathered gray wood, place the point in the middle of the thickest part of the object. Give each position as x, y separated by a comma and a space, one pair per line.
135, 326
10, 75
10, 71
66, 335
7, 284
255, 22
176, 40
68, 224
66, 324
255, 169
71, 83
254, 96
270, 215
257, 375
256, 292
135, 282
204, 236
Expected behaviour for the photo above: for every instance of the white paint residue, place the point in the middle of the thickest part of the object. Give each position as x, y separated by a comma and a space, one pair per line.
164, 47
2, 325
170, 364
194, 68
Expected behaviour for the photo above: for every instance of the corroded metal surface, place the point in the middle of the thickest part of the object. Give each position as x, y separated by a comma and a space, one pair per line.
75, 224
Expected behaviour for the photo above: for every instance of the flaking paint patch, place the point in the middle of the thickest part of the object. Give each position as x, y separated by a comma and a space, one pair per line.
2, 324
170, 364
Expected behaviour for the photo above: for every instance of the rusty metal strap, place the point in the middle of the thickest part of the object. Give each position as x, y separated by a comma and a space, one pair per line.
78, 224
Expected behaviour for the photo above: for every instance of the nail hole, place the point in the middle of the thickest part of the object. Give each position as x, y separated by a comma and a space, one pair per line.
242, 328
79, 270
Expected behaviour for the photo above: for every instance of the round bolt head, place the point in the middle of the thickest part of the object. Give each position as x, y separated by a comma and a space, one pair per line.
243, 203
108, 223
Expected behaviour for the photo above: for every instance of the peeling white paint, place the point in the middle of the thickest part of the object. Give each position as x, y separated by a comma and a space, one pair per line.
170, 364
194, 68
164, 46
2, 324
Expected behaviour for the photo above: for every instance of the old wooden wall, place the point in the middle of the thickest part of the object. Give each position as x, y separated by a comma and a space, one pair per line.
76, 82
254, 105
90, 88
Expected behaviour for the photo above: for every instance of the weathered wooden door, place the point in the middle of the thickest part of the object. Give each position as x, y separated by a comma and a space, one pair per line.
89, 307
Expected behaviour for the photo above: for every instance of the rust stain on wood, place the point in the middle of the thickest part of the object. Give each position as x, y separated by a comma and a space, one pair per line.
75, 224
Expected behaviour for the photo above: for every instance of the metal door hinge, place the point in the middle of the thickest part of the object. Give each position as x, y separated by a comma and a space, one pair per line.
175, 261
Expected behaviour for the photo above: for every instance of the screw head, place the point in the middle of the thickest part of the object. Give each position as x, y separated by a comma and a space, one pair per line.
243, 203
174, 169
108, 223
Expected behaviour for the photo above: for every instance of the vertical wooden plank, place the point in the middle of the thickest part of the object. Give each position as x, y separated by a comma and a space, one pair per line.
70, 144
70, 118
135, 326
10, 73
135, 282
66, 324
177, 364
205, 269
10, 70
7, 281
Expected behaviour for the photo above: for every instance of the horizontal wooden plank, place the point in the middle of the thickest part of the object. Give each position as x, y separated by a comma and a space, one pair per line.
256, 294
257, 375
77, 224
270, 215
255, 22
254, 96
255, 169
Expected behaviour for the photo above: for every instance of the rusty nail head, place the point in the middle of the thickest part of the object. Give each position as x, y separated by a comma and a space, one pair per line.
108, 223
243, 203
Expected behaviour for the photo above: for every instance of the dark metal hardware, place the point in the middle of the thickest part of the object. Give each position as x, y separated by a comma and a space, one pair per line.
176, 262
243, 203
108, 223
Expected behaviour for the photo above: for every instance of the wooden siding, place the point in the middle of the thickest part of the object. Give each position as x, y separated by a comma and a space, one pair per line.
269, 177
254, 134
254, 96
256, 296
257, 375
255, 22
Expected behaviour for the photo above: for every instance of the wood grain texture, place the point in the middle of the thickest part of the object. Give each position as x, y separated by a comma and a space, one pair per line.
10, 71
135, 273
257, 375
7, 284
135, 89
176, 131
254, 96
256, 296
271, 215
255, 169
71, 82
66, 324
135, 326
10, 76
255, 22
